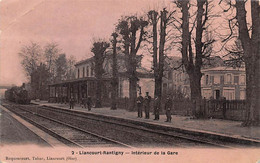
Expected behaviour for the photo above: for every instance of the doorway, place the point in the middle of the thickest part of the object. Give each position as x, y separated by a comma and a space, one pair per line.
217, 94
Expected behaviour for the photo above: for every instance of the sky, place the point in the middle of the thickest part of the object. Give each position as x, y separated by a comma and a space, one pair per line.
72, 24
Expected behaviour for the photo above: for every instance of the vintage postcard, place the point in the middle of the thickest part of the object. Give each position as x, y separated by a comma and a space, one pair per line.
129, 81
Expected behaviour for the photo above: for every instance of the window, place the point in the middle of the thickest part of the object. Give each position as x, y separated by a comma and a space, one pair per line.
207, 79
229, 78
78, 72
212, 79
236, 79
229, 94
221, 79
207, 93
83, 72
92, 71
87, 71
243, 79
216, 79
242, 94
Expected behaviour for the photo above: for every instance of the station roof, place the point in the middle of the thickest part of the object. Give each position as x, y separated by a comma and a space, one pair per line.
77, 80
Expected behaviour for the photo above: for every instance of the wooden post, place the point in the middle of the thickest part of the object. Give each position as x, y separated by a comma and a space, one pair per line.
55, 93
49, 93
78, 91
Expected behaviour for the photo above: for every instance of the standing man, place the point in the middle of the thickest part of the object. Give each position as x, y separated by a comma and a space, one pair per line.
156, 108
72, 103
89, 103
168, 107
147, 101
139, 103
84, 102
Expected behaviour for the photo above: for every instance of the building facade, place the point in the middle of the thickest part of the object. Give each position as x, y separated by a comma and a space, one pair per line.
84, 83
225, 82
217, 81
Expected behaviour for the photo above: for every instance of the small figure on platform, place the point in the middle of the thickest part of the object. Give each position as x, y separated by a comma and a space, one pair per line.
156, 108
72, 102
147, 101
89, 103
84, 102
168, 107
139, 103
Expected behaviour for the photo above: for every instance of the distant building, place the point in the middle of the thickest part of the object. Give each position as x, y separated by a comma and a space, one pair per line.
175, 80
224, 82
217, 81
84, 83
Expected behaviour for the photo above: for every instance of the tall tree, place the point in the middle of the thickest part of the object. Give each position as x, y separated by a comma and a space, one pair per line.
115, 73
193, 61
60, 68
158, 66
99, 48
235, 54
128, 28
31, 57
250, 53
39, 82
51, 52
70, 74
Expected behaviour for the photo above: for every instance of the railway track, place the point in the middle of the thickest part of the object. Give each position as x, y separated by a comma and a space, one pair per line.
68, 134
198, 141
166, 138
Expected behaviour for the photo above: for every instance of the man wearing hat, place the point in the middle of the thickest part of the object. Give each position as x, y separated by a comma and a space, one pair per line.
147, 101
168, 107
139, 103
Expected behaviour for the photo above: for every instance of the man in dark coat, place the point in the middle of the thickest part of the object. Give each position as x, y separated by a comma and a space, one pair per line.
147, 101
168, 107
72, 101
84, 102
156, 108
139, 103
89, 103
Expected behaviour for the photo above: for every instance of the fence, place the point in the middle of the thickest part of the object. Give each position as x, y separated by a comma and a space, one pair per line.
228, 109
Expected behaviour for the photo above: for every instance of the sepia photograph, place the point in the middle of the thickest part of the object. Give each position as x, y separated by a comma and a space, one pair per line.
130, 81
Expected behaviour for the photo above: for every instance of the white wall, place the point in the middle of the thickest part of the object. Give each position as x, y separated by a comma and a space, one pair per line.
87, 68
146, 84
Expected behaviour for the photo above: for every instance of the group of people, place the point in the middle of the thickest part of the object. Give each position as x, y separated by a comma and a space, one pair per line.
145, 102
85, 102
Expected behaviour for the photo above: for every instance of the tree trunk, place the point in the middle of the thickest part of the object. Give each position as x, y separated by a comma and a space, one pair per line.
115, 77
251, 55
258, 67
132, 93
133, 76
158, 66
195, 85
99, 86
193, 68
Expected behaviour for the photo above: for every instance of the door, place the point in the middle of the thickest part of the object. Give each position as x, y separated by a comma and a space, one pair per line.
217, 94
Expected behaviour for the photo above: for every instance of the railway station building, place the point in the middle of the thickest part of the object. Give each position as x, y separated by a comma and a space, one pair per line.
84, 83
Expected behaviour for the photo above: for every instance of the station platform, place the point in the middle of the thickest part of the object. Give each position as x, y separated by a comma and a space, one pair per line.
15, 131
211, 127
